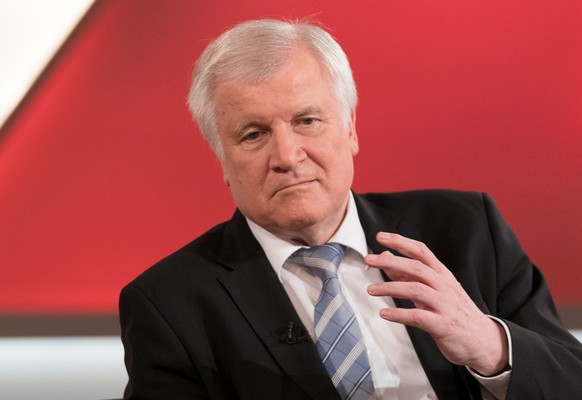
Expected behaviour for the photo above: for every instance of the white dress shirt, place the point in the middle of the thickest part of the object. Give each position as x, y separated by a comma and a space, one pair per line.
396, 369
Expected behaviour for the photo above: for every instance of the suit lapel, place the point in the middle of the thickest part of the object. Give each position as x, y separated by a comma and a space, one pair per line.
447, 380
255, 288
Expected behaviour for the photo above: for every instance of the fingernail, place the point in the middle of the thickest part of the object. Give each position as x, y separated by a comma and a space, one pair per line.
384, 235
372, 257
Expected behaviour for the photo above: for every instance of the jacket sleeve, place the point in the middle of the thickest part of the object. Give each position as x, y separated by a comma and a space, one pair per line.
547, 359
156, 362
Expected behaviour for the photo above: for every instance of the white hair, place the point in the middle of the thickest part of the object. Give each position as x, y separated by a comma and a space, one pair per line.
253, 51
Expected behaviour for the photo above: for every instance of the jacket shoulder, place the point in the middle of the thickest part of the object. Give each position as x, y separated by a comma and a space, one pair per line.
195, 258
429, 200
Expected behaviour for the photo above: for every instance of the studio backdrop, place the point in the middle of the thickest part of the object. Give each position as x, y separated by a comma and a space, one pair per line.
103, 172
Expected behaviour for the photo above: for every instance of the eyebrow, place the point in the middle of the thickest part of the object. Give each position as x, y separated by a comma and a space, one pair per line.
306, 111
241, 127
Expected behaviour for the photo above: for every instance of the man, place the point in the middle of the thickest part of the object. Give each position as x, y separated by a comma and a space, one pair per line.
444, 302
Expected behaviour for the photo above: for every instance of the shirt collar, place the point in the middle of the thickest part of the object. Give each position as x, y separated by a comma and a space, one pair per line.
350, 233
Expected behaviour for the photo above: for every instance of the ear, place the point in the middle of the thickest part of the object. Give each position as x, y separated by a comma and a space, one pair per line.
352, 134
224, 170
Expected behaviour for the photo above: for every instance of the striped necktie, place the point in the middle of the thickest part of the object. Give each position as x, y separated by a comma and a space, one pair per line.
337, 335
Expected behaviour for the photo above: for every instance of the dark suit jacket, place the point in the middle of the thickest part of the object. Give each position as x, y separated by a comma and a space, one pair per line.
210, 320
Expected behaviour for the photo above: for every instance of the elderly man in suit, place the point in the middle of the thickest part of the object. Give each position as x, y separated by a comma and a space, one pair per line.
436, 297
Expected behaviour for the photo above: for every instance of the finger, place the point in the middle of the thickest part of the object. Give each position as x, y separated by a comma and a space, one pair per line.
422, 319
411, 248
423, 296
402, 268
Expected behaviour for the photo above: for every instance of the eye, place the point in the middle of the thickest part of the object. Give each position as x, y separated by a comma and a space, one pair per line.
252, 136
307, 125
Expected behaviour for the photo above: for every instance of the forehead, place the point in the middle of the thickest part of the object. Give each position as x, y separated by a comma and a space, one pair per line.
302, 82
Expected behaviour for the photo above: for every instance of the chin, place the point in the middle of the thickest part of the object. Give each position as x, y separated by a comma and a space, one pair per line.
296, 219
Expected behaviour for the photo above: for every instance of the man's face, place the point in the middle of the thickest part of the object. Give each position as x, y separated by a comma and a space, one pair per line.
288, 158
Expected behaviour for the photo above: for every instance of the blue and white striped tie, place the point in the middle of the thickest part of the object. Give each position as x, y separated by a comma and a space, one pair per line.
337, 335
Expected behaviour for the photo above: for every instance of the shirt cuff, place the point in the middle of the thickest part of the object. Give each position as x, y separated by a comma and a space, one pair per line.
495, 387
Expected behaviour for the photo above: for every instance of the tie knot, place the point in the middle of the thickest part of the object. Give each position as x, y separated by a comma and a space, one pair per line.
323, 260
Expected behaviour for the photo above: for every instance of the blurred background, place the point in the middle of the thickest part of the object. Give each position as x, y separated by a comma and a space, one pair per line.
103, 172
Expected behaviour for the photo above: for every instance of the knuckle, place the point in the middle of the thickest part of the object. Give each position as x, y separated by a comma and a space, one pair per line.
417, 319
415, 289
423, 249
417, 268
395, 276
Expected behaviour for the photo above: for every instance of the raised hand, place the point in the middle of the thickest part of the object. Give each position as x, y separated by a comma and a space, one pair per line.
462, 332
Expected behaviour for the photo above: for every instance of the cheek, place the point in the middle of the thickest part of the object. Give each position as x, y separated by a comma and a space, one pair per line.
243, 176
338, 157
341, 169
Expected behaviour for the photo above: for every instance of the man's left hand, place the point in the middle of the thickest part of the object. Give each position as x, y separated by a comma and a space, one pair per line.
462, 332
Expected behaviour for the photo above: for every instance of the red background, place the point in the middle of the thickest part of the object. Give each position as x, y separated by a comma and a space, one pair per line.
102, 171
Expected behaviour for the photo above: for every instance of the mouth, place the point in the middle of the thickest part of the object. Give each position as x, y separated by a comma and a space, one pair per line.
293, 186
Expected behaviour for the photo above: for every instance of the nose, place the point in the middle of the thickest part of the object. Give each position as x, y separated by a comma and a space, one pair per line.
286, 149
